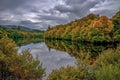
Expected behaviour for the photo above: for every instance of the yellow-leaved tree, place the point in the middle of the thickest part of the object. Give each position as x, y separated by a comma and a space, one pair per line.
15, 66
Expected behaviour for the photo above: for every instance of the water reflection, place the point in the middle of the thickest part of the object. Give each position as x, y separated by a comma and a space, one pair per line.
51, 58
21, 41
54, 54
75, 49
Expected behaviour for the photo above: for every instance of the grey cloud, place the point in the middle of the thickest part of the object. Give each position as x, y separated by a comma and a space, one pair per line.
109, 13
41, 13
27, 22
74, 2
64, 8
76, 9
51, 17
24, 12
8, 22
34, 25
57, 19
11, 4
30, 24
79, 8
106, 7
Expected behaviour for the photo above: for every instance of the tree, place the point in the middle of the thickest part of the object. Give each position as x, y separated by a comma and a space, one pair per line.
17, 66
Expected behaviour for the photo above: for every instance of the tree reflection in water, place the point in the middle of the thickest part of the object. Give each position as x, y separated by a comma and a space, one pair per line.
75, 48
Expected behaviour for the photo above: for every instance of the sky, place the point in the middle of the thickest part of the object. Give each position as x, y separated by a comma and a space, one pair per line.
39, 14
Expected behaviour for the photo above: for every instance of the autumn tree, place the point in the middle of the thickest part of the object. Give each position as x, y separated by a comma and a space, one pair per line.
91, 28
17, 66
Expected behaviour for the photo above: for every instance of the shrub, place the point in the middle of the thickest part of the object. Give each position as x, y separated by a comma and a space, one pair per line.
18, 66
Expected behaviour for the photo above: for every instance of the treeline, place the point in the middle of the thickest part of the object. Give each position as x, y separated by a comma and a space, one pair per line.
16, 33
92, 28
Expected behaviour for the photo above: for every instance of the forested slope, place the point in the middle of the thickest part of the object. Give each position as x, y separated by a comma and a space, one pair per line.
92, 28
21, 34
18, 33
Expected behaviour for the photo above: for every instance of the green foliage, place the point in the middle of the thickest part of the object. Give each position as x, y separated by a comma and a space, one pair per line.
105, 66
20, 41
17, 66
7, 45
68, 73
16, 34
95, 36
108, 72
116, 29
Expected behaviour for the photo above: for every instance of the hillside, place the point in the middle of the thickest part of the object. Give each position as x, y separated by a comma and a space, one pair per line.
16, 32
92, 28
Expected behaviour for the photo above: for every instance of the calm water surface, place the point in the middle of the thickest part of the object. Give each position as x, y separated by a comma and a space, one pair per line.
50, 58
55, 54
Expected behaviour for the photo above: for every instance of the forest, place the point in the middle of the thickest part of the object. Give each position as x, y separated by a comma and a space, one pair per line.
17, 34
92, 28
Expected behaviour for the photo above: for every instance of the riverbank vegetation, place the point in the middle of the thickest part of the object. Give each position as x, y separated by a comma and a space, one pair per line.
105, 66
14, 66
92, 28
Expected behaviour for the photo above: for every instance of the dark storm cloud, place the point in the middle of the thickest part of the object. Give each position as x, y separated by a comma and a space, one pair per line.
11, 4
76, 8
8, 22
41, 13
64, 8
53, 18
24, 12
33, 25
27, 22
79, 8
